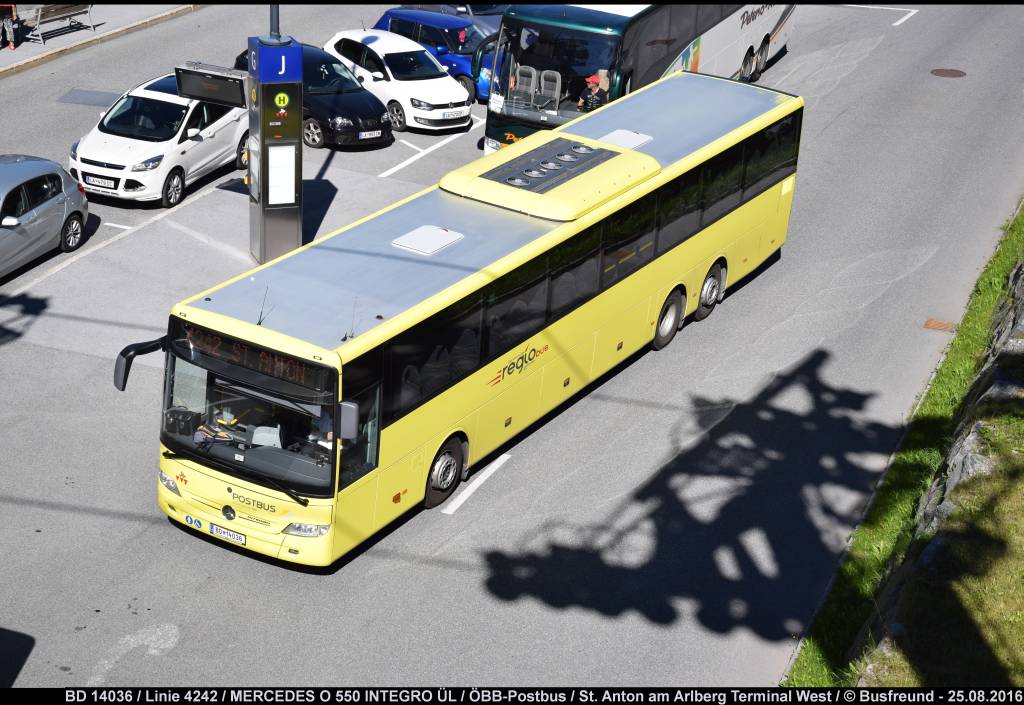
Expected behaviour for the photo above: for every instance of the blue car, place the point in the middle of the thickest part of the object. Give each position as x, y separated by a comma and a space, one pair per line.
451, 39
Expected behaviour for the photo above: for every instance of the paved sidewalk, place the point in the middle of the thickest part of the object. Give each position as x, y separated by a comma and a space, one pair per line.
110, 21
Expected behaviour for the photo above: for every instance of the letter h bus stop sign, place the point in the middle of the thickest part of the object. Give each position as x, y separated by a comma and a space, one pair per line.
272, 90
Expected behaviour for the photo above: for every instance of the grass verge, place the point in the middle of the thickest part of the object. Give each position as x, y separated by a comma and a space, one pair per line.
884, 535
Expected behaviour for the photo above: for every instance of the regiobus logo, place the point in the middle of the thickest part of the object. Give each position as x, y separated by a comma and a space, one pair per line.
518, 363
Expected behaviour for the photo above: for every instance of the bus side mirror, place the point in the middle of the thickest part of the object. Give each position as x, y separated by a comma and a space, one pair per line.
123, 365
349, 420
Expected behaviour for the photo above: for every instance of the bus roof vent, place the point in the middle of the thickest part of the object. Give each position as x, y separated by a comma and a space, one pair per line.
427, 240
549, 165
626, 138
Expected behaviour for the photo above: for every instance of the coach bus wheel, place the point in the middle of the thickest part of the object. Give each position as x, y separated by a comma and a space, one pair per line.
710, 291
445, 473
762, 60
668, 321
747, 69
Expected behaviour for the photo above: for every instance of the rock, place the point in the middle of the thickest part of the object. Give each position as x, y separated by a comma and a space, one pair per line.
966, 458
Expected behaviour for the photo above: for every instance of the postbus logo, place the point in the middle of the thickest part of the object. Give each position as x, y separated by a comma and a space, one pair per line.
517, 364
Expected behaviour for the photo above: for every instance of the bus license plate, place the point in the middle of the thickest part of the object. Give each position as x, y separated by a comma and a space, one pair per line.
94, 181
227, 534
454, 114
369, 135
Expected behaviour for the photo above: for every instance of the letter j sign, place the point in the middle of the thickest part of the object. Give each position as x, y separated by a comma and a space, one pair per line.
279, 64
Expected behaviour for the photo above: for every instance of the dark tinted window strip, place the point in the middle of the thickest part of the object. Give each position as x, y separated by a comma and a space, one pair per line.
393, 414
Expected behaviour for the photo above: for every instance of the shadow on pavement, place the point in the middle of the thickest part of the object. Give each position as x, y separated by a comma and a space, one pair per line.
15, 648
17, 314
748, 524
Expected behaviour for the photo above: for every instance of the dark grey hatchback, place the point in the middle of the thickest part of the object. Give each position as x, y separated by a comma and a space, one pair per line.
336, 109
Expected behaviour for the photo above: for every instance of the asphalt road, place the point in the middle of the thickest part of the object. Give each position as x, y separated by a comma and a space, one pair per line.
676, 525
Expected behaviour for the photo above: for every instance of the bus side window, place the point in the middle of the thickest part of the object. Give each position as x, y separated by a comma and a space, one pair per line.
575, 266
516, 306
432, 356
628, 240
770, 155
678, 210
722, 178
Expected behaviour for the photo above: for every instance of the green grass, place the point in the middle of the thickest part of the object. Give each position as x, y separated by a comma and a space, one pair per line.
884, 536
963, 617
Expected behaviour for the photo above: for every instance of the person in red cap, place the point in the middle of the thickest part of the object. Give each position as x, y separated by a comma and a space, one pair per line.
593, 96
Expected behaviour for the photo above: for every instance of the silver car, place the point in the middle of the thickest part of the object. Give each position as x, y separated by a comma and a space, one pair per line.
41, 208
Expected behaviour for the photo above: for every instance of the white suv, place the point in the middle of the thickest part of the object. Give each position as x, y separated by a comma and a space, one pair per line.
414, 86
152, 143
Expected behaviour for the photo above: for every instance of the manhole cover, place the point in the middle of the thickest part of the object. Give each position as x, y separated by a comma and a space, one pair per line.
948, 73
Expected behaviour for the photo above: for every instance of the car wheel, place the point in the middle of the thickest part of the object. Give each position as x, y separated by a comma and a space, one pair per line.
72, 234
669, 320
445, 473
747, 69
467, 83
762, 60
312, 133
242, 153
174, 189
710, 292
397, 116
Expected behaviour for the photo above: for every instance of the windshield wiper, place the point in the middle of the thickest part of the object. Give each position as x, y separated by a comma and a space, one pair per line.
170, 455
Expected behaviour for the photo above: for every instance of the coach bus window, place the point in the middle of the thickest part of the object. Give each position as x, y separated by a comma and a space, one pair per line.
722, 180
628, 240
770, 155
516, 306
574, 271
678, 210
434, 355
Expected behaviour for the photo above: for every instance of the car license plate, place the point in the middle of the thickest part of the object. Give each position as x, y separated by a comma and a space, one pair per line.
369, 135
227, 534
454, 114
95, 181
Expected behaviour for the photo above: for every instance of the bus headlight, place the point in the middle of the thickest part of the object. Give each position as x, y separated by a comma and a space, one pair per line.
308, 530
492, 145
168, 482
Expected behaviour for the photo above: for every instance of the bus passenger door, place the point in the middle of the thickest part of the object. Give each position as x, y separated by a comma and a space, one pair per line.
355, 515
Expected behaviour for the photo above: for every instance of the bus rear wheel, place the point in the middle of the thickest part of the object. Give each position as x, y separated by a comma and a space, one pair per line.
669, 320
747, 68
710, 292
762, 60
445, 473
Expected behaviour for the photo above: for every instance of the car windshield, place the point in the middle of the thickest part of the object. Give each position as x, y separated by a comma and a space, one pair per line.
413, 66
141, 118
256, 425
328, 76
489, 9
466, 39
542, 71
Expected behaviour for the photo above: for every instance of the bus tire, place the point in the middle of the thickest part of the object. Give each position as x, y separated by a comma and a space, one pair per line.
747, 68
710, 293
762, 60
445, 473
669, 319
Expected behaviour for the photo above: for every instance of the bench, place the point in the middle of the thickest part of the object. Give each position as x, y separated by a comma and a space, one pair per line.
46, 14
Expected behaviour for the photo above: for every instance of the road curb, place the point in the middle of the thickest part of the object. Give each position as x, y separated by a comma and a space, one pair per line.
127, 29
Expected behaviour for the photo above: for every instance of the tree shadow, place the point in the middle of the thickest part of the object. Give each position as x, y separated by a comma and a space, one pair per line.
15, 648
17, 314
749, 523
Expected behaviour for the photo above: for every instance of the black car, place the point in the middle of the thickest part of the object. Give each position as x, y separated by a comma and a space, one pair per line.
336, 109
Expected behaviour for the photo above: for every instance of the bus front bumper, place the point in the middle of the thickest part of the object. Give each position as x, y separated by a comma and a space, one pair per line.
201, 519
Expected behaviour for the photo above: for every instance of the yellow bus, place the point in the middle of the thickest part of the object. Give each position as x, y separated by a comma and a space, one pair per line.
312, 400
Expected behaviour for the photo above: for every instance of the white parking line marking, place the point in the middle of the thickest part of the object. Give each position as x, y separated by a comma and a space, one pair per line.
99, 246
207, 240
475, 484
410, 144
428, 150
115, 225
897, 23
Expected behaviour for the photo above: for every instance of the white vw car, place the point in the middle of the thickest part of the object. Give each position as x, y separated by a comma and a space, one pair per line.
414, 86
152, 143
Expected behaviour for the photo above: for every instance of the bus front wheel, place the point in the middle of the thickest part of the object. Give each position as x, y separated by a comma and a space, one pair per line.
747, 69
445, 473
710, 292
669, 320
